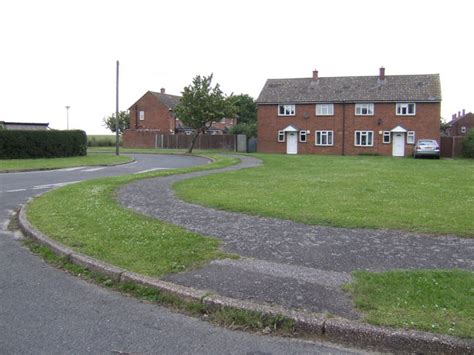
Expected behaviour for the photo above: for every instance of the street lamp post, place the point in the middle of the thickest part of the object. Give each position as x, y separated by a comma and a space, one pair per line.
67, 116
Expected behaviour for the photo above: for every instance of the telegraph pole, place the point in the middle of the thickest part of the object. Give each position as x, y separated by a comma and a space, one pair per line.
117, 112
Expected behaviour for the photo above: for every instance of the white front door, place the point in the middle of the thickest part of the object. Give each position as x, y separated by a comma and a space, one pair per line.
291, 143
398, 145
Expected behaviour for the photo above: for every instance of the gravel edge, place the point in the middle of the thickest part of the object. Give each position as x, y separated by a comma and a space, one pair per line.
336, 330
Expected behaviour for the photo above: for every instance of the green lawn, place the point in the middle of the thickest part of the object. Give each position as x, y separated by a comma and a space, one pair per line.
436, 301
423, 195
56, 163
96, 225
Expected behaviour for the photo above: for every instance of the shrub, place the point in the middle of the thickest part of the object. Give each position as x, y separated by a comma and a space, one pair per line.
42, 144
468, 144
249, 129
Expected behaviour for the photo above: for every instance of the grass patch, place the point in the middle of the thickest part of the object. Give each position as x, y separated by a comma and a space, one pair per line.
434, 301
57, 163
223, 316
87, 218
434, 196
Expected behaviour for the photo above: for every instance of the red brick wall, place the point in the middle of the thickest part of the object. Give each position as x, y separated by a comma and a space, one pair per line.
157, 115
139, 138
425, 123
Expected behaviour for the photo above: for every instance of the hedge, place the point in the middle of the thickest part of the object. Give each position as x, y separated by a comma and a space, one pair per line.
468, 144
42, 144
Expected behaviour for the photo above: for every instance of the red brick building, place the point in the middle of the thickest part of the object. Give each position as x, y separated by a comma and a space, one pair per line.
460, 124
154, 114
348, 115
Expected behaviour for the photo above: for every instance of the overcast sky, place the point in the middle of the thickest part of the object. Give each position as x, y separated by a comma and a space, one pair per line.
58, 53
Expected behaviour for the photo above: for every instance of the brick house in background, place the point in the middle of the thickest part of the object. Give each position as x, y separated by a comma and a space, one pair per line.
460, 124
348, 115
153, 113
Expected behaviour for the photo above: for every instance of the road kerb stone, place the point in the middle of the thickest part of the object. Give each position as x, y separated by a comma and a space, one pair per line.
164, 286
334, 329
94, 265
401, 341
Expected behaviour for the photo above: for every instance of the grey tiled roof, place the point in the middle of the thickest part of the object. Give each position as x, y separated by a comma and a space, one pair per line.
169, 100
352, 88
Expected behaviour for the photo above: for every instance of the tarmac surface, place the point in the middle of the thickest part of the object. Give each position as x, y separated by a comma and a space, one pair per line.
285, 263
44, 310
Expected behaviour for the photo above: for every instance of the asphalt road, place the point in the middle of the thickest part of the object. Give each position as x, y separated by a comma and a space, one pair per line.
46, 311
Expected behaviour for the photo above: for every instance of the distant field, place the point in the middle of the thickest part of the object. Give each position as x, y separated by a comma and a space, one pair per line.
102, 140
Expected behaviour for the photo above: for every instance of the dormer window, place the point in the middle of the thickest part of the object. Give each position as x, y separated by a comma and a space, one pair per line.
406, 109
286, 110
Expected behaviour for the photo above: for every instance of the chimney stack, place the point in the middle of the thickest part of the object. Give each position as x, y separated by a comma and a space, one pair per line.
382, 74
162, 90
459, 113
315, 75
463, 112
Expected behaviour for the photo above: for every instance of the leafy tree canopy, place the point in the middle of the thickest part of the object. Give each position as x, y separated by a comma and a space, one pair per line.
124, 121
201, 104
246, 108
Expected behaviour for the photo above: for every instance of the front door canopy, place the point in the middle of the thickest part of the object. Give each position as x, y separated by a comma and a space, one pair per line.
290, 128
399, 129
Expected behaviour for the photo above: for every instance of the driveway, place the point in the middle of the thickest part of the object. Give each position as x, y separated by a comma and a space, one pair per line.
46, 311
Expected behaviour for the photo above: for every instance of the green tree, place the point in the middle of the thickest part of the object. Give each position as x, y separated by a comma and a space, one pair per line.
443, 127
201, 105
468, 144
124, 121
246, 108
249, 129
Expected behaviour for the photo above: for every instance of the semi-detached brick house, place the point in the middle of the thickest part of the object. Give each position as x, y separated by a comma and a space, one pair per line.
461, 124
349, 115
153, 114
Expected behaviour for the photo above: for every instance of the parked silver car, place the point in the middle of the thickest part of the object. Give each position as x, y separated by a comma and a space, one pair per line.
426, 148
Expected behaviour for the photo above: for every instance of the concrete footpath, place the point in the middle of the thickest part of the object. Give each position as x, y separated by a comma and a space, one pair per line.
286, 267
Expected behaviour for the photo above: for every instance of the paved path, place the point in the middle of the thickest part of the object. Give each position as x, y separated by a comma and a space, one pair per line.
46, 311
288, 263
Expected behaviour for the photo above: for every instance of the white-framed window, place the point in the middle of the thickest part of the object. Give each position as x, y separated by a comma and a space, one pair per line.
324, 138
324, 109
286, 110
387, 137
364, 138
281, 136
141, 115
406, 109
411, 137
303, 136
463, 129
364, 109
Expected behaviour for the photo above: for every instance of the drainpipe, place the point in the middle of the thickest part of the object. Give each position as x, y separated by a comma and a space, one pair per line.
343, 128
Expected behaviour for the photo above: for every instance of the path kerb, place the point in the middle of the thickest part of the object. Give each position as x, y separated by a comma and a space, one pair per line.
336, 330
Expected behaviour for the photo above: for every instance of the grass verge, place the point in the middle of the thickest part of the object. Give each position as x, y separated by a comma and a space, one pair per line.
438, 301
87, 218
7, 165
223, 316
433, 196
155, 150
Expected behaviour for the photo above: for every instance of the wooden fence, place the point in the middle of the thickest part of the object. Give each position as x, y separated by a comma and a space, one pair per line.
153, 139
451, 147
